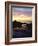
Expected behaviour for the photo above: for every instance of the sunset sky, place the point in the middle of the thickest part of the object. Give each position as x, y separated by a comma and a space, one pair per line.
22, 14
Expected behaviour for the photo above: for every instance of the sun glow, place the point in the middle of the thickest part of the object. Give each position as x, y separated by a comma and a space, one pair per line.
22, 18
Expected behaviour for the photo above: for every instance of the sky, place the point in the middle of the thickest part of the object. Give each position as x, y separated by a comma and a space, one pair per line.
22, 14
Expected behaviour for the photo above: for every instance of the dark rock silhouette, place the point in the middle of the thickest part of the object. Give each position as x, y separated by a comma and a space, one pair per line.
16, 24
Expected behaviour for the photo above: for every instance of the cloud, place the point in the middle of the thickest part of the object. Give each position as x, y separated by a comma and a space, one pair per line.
22, 18
22, 14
